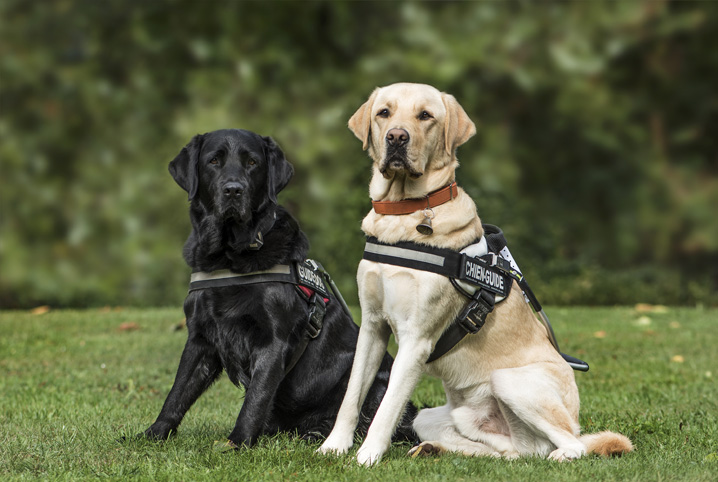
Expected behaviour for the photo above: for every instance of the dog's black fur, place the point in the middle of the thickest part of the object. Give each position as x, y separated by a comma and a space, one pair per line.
251, 332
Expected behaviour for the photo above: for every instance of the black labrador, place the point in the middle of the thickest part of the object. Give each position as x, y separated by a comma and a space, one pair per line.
232, 177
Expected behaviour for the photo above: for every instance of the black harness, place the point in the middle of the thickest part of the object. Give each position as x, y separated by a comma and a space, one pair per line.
310, 279
493, 274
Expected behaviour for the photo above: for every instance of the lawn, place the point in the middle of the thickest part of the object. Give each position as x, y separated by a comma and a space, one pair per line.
73, 382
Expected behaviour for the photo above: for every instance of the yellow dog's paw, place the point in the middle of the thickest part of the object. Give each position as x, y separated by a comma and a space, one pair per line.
427, 449
335, 445
369, 455
567, 453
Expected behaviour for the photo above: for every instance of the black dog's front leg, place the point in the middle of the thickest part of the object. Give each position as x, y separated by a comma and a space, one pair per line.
199, 367
267, 374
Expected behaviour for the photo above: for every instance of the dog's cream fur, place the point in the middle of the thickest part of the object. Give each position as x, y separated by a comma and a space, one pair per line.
509, 393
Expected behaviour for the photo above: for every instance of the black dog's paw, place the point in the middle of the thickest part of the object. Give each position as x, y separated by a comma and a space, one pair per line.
157, 433
146, 435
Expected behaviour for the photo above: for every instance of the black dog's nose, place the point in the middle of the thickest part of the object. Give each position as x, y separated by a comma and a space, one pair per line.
232, 189
398, 137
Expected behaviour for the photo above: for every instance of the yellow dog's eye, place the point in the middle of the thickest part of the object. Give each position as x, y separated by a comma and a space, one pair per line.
425, 115
383, 113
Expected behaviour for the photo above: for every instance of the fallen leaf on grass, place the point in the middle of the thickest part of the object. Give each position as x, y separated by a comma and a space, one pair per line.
40, 310
677, 359
105, 309
648, 308
129, 326
674, 324
643, 321
600, 334
223, 446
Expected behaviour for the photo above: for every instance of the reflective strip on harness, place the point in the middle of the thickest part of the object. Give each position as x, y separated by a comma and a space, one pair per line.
305, 274
225, 273
405, 254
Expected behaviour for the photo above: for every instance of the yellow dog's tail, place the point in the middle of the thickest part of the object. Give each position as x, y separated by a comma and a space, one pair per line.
606, 443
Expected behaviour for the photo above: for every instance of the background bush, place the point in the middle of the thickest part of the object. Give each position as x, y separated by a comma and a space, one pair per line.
596, 148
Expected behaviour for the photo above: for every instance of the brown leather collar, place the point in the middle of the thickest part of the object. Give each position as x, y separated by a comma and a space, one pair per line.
408, 206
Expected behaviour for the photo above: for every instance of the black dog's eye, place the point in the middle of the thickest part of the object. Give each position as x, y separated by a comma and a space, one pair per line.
214, 160
425, 115
251, 162
383, 113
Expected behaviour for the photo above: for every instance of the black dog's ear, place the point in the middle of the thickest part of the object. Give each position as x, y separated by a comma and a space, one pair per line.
184, 167
279, 170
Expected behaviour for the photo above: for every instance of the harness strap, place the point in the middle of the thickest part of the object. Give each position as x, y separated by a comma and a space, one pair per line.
216, 279
317, 310
470, 321
488, 271
309, 274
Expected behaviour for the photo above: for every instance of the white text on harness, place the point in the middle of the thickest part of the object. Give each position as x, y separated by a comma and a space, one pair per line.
310, 276
484, 276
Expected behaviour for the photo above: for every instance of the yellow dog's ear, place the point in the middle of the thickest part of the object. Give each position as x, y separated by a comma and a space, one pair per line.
458, 128
360, 122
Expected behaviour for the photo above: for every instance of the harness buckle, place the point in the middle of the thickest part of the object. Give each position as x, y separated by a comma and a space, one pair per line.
317, 310
494, 259
473, 316
469, 323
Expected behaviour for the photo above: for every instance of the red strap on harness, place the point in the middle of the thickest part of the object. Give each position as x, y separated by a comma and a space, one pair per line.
309, 292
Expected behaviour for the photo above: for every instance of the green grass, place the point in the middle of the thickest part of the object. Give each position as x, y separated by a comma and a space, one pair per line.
72, 382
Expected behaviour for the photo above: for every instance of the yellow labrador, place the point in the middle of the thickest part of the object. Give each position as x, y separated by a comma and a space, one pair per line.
509, 392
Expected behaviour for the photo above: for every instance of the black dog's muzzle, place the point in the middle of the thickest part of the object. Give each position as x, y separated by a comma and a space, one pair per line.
233, 202
232, 190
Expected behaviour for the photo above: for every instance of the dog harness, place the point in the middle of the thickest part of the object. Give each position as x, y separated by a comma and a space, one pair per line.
309, 277
483, 272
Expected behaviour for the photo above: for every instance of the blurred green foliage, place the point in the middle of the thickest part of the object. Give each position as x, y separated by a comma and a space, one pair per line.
596, 150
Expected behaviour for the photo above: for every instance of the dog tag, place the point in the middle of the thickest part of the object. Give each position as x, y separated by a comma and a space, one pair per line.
425, 226
258, 242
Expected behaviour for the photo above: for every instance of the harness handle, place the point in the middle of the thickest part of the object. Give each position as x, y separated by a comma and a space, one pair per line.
333, 287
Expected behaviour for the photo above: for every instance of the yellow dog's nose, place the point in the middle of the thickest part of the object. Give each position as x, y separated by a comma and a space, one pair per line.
397, 137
